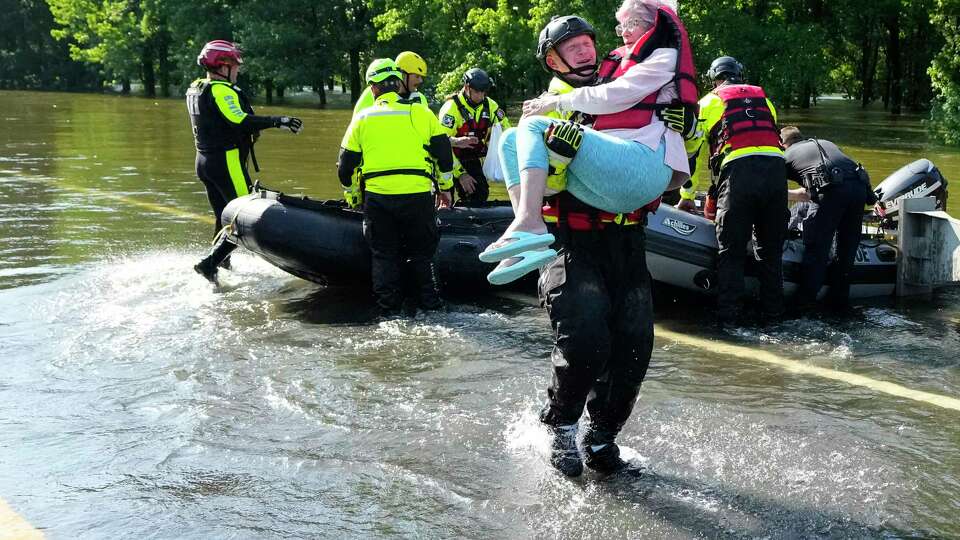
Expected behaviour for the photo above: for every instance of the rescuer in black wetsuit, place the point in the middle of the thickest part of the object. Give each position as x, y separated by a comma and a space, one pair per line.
224, 130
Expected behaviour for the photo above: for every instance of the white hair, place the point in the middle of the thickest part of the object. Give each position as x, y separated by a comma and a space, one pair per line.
643, 10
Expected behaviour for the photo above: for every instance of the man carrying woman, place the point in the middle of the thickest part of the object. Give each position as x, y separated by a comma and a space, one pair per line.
597, 288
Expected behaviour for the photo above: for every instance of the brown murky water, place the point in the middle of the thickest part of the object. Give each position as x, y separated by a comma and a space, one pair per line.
137, 401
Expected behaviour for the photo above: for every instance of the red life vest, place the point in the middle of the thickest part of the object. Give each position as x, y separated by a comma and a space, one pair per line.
566, 210
471, 127
746, 121
667, 32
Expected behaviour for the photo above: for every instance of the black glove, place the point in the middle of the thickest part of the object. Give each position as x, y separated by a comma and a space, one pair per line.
680, 118
563, 140
291, 123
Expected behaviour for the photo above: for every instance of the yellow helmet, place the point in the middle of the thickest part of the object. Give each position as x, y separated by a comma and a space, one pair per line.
411, 62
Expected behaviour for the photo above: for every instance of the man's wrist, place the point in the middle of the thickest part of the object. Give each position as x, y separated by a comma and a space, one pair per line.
445, 181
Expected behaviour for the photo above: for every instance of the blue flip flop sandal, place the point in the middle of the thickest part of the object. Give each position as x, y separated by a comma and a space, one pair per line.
519, 242
529, 261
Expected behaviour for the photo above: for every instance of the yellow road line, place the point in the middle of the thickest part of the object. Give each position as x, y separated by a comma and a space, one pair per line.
142, 204
786, 364
12, 526
793, 366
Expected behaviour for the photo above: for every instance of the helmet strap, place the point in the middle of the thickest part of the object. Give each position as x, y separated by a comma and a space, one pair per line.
584, 72
386, 86
466, 95
558, 58
219, 71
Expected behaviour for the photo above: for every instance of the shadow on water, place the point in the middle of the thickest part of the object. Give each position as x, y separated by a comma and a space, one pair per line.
334, 306
717, 512
356, 305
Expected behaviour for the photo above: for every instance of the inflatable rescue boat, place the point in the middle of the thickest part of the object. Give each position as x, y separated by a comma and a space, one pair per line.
322, 241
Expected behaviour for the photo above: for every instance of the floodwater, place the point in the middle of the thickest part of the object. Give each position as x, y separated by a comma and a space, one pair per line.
138, 401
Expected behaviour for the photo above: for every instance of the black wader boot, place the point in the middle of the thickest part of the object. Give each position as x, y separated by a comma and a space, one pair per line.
601, 453
564, 455
220, 253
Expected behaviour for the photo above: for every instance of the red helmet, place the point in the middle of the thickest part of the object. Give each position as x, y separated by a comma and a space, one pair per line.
219, 53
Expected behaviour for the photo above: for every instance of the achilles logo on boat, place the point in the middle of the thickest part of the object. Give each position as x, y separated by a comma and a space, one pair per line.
681, 227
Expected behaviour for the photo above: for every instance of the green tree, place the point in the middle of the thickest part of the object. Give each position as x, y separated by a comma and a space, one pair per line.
30, 57
105, 33
191, 25
945, 73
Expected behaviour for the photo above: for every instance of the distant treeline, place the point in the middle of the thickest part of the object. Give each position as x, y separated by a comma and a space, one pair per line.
903, 53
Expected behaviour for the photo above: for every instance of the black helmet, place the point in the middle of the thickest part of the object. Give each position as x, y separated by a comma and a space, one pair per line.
558, 30
477, 79
726, 68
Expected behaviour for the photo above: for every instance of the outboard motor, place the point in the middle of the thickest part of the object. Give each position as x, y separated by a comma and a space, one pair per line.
918, 179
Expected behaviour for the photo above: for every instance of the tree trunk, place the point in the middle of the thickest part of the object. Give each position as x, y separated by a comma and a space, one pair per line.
280, 91
354, 74
885, 95
321, 90
805, 92
163, 51
895, 63
760, 9
268, 87
330, 84
147, 73
125, 86
868, 69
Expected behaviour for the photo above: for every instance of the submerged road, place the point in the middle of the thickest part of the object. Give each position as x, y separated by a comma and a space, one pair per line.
719, 347
139, 401
15, 527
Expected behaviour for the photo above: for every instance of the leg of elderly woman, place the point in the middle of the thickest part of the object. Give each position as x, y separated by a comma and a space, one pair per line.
526, 178
611, 174
508, 163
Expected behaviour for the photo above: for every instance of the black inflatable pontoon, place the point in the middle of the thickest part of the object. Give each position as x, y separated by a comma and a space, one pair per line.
322, 241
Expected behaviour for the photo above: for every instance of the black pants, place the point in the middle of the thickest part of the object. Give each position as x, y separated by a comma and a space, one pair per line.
481, 192
214, 170
597, 294
752, 199
225, 176
840, 212
401, 230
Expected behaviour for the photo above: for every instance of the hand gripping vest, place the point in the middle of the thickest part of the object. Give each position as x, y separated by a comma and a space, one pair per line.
471, 127
211, 131
747, 121
667, 32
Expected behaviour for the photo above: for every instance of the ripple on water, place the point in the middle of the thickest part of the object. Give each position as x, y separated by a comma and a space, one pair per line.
229, 409
708, 470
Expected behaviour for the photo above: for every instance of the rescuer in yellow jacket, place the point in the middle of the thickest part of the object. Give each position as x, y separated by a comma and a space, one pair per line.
740, 142
413, 69
397, 155
468, 117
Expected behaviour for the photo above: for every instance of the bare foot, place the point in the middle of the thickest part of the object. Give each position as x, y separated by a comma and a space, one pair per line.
533, 226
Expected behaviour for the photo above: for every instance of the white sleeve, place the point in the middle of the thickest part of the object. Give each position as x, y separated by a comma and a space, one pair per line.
627, 90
